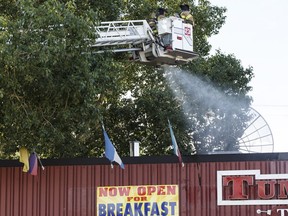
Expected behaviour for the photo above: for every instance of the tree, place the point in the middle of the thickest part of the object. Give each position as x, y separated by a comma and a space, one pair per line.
143, 116
50, 88
55, 94
214, 126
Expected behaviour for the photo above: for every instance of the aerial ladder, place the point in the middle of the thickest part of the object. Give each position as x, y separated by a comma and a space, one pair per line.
173, 45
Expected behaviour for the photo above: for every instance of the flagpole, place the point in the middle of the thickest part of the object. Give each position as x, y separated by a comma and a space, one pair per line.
43, 168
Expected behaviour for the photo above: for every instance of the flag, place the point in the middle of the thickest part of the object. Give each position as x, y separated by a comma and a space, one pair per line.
33, 164
110, 151
24, 158
174, 145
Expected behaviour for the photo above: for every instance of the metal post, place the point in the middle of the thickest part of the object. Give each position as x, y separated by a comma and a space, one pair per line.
134, 148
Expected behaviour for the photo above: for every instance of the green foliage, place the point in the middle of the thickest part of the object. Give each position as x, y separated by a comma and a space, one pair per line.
54, 93
208, 20
8, 8
144, 115
48, 100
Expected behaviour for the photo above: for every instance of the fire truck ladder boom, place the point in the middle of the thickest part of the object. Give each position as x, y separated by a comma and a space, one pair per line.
131, 33
173, 45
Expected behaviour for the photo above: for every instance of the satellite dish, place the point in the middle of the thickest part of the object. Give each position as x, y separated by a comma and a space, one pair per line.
257, 137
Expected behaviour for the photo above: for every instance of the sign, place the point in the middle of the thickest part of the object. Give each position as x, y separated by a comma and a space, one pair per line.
276, 211
279, 211
152, 200
187, 31
249, 187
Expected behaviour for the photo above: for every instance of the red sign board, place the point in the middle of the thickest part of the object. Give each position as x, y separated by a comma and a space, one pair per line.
249, 187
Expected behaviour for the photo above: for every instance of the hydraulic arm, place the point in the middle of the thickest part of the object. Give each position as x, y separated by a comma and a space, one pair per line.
172, 45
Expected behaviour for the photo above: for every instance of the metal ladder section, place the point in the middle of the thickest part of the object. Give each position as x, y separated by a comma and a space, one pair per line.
122, 33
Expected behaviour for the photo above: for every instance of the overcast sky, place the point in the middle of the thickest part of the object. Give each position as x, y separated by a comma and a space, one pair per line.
256, 32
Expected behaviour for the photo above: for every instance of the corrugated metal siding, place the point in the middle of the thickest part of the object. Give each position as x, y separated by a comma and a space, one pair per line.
71, 190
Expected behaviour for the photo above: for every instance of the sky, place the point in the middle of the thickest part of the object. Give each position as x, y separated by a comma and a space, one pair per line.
256, 32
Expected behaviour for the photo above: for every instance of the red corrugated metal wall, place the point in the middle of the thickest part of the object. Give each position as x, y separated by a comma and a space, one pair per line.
71, 190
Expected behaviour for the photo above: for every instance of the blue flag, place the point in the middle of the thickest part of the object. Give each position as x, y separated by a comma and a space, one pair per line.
33, 164
174, 144
110, 151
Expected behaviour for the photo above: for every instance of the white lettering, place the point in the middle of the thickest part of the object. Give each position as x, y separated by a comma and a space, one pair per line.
282, 211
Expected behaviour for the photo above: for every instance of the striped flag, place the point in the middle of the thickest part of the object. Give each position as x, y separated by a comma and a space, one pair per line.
110, 151
174, 144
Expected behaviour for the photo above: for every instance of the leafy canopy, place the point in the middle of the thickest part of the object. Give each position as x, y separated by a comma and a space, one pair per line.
54, 93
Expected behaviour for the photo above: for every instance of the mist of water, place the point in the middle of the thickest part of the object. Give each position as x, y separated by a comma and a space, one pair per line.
201, 100
189, 88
